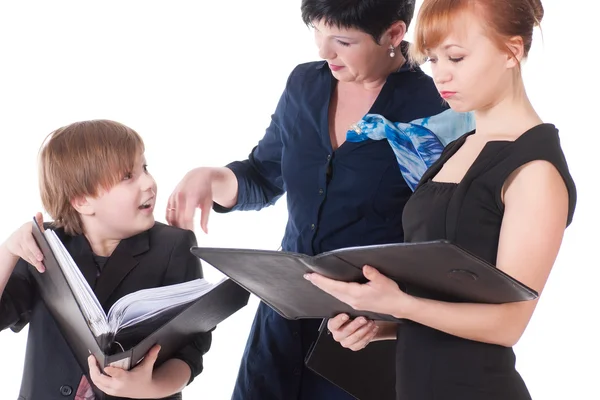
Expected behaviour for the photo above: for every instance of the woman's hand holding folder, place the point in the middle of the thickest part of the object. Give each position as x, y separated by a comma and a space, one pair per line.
356, 334
380, 294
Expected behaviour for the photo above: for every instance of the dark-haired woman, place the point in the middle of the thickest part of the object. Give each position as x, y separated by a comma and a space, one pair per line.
343, 146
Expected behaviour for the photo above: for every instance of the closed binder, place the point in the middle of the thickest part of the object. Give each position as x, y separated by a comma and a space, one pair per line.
367, 374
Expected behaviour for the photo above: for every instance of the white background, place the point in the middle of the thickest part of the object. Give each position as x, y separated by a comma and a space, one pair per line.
199, 81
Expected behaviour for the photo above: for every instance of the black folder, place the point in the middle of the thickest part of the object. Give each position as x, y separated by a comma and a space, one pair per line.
367, 374
201, 315
437, 269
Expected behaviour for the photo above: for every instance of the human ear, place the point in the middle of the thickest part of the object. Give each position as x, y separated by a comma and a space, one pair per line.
83, 205
395, 34
516, 51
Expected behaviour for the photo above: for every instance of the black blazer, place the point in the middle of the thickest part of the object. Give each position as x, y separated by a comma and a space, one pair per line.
157, 257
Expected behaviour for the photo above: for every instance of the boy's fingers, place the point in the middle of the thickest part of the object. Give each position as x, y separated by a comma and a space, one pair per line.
114, 372
28, 256
96, 375
33, 248
150, 358
38, 265
40, 220
32, 254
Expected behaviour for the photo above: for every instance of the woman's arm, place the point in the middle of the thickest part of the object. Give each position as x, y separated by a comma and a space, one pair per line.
259, 179
535, 217
250, 184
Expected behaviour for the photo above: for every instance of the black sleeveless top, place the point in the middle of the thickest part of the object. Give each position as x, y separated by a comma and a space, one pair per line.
435, 365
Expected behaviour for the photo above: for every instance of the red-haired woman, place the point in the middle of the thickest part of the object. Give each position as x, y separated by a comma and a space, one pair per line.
503, 192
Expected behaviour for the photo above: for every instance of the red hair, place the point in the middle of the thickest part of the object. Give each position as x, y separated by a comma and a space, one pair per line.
501, 19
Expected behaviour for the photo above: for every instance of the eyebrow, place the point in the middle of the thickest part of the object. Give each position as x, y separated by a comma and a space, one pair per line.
343, 37
335, 36
446, 47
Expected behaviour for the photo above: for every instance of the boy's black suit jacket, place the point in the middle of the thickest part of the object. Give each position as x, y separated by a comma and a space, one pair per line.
157, 257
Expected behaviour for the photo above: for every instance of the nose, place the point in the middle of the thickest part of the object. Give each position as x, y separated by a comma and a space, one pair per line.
325, 50
441, 74
147, 183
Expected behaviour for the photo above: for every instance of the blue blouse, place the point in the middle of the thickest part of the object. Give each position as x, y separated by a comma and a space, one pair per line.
352, 196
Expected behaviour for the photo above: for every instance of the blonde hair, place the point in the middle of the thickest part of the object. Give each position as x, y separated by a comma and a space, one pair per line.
80, 160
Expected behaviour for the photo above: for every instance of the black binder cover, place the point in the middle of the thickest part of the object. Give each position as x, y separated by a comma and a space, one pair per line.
431, 269
368, 374
201, 315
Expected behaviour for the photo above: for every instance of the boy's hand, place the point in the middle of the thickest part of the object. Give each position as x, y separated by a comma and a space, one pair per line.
135, 384
22, 244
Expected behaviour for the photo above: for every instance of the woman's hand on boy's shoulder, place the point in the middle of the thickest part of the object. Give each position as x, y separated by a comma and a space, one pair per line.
22, 244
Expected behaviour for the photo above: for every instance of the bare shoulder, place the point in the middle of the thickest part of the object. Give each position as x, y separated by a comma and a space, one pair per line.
536, 175
537, 184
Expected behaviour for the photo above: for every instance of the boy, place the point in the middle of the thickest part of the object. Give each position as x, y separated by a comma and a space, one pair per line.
95, 185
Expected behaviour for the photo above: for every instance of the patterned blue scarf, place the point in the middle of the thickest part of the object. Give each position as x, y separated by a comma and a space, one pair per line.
416, 144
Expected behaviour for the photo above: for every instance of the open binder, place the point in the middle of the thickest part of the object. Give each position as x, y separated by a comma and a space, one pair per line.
168, 315
437, 269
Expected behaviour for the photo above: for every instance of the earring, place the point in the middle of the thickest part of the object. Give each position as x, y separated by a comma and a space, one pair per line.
392, 51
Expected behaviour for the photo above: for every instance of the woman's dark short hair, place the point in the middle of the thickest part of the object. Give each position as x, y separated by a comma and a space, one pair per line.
370, 16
